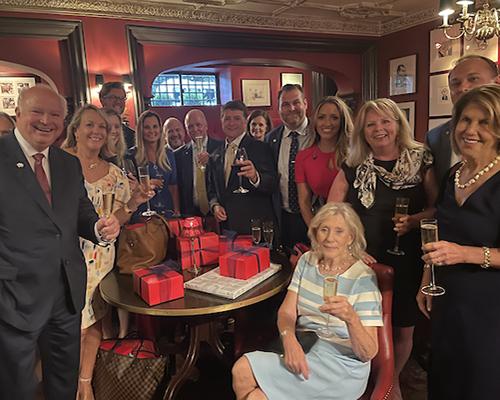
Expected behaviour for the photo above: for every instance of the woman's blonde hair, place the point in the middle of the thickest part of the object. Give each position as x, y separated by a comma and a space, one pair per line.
345, 130
360, 149
120, 147
358, 245
71, 142
161, 158
487, 98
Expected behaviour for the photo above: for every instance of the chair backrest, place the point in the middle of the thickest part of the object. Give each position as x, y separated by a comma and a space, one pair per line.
382, 366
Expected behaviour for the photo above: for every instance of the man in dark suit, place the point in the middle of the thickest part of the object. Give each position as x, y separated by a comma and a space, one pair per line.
113, 96
236, 210
469, 72
43, 209
286, 141
191, 163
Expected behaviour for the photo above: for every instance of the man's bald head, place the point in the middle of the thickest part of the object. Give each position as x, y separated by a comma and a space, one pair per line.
174, 132
40, 115
196, 123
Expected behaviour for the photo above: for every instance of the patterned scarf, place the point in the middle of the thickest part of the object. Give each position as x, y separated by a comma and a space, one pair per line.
406, 174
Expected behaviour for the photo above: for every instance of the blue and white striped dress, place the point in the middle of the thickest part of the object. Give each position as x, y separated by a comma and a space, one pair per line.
335, 371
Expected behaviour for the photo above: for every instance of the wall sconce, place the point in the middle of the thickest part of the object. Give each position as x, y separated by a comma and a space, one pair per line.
99, 80
127, 82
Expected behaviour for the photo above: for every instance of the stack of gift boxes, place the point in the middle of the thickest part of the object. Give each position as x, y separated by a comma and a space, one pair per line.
236, 255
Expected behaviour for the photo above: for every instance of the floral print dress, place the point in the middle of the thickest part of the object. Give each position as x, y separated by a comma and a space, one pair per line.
100, 260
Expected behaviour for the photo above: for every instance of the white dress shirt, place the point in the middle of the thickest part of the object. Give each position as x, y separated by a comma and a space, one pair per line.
305, 140
29, 151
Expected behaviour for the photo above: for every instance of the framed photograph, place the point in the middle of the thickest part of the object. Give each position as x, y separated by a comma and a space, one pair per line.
443, 51
434, 122
256, 92
10, 87
491, 50
439, 96
292, 79
408, 109
403, 75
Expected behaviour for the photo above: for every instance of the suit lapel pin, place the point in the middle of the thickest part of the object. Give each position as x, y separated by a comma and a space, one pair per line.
275, 140
20, 165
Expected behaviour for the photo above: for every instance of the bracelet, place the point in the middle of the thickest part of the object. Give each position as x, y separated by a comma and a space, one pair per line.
487, 258
127, 209
284, 332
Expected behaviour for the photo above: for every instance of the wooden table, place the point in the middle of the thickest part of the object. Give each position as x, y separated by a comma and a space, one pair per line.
199, 311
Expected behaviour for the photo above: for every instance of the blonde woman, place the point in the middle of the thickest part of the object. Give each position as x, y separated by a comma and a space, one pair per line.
152, 151
87, 139
385, 163
337, 367
317, 166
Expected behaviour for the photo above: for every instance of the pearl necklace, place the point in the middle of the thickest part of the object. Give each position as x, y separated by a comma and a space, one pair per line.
476, 177
333, 269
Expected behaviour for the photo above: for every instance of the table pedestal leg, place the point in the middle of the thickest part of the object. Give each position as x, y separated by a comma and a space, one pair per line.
214, 340
185, 369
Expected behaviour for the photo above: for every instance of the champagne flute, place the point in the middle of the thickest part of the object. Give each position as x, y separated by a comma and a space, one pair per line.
108, 199
159, 176
256, 231
241, 155
429, 233
268, 231
400, 210
330, 283
146, 184
198, 141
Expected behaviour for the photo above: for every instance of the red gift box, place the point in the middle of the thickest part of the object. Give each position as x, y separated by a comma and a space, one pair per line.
175, 225
158, 284
231, 243
244, 263
206, 250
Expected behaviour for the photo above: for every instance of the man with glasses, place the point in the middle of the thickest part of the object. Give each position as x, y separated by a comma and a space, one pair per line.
113, 96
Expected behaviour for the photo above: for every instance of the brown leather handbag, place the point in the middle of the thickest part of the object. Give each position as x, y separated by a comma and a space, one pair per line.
143, 244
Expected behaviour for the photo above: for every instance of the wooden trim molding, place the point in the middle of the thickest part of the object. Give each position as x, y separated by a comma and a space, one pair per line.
70, 33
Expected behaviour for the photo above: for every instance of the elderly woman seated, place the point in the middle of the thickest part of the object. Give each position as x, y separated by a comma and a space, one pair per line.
338, 363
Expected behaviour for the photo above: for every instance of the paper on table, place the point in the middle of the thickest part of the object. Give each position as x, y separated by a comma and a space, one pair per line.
230, 288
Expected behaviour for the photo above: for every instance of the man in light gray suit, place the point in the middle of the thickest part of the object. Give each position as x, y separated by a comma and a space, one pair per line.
469, 72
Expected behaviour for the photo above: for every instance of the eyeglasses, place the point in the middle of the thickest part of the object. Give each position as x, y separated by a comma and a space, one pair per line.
115, 98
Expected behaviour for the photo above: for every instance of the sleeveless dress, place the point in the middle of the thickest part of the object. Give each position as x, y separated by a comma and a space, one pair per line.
335, 371
380, 236
465, 359
100, 260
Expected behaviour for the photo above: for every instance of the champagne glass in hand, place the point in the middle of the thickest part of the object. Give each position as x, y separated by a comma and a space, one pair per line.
198, 142
429, 232
329, 290
400, 210
241, 155
146, 184
108, 199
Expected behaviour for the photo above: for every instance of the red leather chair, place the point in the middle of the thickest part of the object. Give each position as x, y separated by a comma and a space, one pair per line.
382, 368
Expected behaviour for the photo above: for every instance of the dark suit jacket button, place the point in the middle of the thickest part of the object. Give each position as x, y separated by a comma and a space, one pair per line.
58, 235
66, 262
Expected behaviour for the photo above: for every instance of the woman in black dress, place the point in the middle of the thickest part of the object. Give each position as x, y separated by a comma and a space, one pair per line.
385, 163
465, 359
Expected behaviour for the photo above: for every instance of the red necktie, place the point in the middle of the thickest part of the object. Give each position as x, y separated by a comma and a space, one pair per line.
41, 176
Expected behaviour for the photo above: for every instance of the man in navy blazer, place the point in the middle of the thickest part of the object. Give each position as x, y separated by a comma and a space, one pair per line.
235, 210
43, 209
469, 72
292, 107
187, 163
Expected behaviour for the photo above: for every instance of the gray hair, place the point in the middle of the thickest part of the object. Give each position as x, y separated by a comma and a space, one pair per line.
352, 221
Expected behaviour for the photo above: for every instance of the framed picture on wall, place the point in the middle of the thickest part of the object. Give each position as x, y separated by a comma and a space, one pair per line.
491, 50
288, 78
256, 92
408, 109
439, 96
10, 87
403, 75
443, 51
434, 122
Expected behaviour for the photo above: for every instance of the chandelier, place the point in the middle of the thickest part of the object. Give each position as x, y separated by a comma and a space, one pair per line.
481, 24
